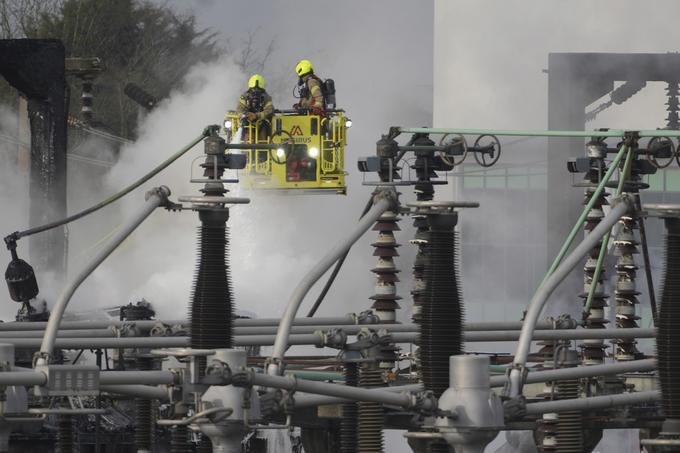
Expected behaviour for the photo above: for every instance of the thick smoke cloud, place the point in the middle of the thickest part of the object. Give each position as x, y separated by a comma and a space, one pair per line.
365, 54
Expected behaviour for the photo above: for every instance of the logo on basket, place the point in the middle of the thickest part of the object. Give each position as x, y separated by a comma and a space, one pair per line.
296, 130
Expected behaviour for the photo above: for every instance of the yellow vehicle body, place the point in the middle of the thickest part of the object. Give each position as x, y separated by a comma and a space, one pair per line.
312, 160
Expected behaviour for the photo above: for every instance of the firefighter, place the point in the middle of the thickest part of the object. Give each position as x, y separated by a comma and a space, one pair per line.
311, 89
257, 107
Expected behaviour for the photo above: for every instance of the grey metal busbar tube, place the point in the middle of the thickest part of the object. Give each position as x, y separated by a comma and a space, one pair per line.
349, 329
593, 402
581, 372
512, 133
292, 383
621, 206
89, 333
317, 339
253, 326
16, 326
140, 391
574, 334
154, 198
383, 200
157, 342
105, 378
303, 399
352, 329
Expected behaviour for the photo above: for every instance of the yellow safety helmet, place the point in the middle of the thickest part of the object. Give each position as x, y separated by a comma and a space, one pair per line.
304, 67
256, 80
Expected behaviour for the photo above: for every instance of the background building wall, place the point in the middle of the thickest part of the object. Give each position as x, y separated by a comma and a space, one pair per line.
490, 64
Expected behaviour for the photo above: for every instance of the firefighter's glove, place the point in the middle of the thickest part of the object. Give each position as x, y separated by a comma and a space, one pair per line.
251, 116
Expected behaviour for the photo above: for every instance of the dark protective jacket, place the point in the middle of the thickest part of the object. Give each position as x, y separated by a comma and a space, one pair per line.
256, 100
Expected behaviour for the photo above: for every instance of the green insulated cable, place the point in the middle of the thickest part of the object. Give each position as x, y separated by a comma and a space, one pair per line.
603, 248
162, 166
534, 133
513, 133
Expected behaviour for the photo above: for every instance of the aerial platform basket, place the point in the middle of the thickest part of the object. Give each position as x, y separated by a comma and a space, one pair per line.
311, 158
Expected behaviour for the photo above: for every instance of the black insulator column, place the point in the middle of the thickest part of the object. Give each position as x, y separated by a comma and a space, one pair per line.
86, 101
560, 432
569, 432
668, 337
145, 409
371, 415
204, 445
348, 423
66, 435
439, 447
211, 310
441, 330
145, 414
546, 426
179, 440
424, 190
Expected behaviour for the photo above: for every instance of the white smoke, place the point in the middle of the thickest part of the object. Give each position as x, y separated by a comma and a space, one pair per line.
274, 239
157, 261
13, 190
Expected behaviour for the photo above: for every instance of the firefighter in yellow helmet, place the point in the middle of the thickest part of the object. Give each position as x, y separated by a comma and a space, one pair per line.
256, 105
311, 89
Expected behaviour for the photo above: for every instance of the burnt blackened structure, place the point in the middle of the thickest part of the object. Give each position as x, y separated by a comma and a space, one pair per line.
36, 68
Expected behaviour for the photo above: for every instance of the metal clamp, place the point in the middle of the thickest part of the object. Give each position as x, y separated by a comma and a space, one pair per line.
386, 193
217, 373
426, 403
333, 338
